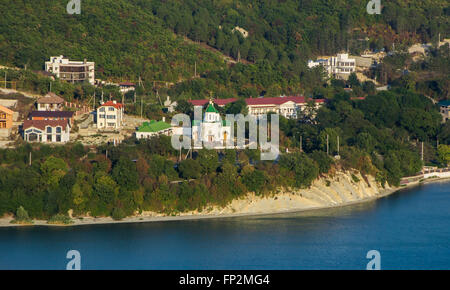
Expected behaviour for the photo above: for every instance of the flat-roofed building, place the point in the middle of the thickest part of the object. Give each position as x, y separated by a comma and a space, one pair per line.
339, 67
126, 87
71, 71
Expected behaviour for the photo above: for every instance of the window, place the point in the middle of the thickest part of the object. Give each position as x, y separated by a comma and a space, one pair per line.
111, 109
58, 138
58, 130
102, 109
49, 130
110, 117
49, 138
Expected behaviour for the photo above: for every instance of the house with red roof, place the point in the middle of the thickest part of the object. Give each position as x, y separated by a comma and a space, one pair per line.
110, 116
46, 131
287, 106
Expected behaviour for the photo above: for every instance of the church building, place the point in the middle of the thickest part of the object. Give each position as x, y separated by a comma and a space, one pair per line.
213, 129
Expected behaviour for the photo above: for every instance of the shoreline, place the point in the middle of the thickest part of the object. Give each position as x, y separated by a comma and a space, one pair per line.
5, 222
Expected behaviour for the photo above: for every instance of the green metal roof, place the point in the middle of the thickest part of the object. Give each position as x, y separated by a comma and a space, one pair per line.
211, 109
444, 103
153, 126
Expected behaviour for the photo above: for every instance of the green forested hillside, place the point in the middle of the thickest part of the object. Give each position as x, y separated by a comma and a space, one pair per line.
284, 31
122, 39
133, 38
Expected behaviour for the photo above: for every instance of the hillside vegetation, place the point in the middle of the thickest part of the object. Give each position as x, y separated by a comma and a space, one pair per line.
133, 38
122, 39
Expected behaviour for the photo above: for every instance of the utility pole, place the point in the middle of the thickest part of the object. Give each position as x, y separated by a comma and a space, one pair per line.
422, 150
195, 69
102, 96
29, 159
141, 105
337, 145
5, 79
94, 101
106, 153
301, 143
134, 97
328, 147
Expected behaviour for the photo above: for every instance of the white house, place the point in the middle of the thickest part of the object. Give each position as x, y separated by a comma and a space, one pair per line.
71, 71
51, 102
110, 115
46, 131
339, 67
126, 87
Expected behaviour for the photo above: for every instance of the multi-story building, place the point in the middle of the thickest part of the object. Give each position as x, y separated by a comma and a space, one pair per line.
46, 131
339, 67
287, 106
6, 118
51, 102
110, 115
71, 71
444, 107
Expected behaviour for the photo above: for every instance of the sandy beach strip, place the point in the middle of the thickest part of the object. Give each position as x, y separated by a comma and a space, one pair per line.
296, 204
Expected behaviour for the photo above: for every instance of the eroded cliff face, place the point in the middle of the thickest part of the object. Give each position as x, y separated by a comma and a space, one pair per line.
340, 188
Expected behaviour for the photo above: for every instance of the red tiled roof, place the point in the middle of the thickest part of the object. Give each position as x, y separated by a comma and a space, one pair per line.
41, 124
112, 104
127, 84
260, 101
219, 102
280, 100
51, 114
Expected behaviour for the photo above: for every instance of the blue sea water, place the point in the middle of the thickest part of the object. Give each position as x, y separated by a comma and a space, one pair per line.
410, 229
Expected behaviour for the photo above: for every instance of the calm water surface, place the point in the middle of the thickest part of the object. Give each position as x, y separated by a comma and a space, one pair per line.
411, 230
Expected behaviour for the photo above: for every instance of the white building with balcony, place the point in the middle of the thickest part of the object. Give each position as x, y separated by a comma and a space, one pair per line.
110, 116
71, 71
339, 67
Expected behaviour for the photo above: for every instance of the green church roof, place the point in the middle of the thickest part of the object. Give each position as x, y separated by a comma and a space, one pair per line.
211, 109
153, 126
444, 103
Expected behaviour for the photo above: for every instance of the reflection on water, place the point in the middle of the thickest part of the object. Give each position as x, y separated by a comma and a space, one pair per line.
411, 229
